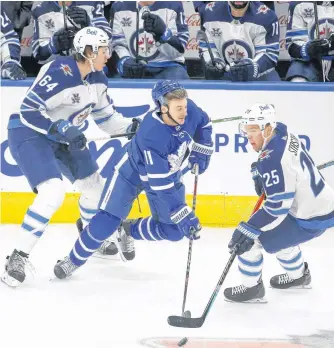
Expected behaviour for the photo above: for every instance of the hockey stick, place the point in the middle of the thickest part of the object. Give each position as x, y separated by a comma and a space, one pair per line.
107, 137
137, 32
65, 22
187, 313
325, 165
193, 323
317, 33
227, 119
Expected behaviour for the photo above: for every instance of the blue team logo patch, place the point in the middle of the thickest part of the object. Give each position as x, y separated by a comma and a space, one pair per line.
235, 50
326, 27
308, 13
66, 69
265, 154
146, 45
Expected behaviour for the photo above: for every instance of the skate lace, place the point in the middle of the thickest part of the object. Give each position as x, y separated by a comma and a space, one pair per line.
68, 266
284, 279
19, 263
127, 242
240, 289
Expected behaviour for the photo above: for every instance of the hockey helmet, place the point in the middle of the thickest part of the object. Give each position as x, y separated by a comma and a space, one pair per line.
260, 115
163, 87
90, 36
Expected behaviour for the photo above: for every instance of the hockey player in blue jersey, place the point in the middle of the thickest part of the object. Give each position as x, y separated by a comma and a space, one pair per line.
45, 141
244, 37
151, 161
51, 38
311, 55
10, 51
299, 206
163, 36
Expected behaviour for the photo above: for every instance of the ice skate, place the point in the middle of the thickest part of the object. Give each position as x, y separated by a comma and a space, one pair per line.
242, 294
15, 274
124, 241
284, 281
64, 269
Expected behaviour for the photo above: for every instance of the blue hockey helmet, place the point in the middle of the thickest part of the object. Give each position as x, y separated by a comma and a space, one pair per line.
163, 87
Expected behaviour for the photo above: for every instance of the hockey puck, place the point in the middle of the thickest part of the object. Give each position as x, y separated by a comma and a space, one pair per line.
187, 314
183, 342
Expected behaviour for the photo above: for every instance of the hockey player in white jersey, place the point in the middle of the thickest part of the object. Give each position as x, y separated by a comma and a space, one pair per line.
45, 141
51, 38
311, 55
10, 51
162, 38
299, 206
244, 37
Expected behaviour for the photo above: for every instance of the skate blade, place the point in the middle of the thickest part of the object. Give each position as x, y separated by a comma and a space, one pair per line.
298, 287
98, 255
120, 253
10, 281
257, 300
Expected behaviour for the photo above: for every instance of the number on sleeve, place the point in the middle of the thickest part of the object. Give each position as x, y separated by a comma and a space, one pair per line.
45, 82
275, 28
271, 178
316, 186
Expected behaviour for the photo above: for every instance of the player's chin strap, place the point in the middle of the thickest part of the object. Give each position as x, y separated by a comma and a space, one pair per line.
90, 60
265, 142
169, 115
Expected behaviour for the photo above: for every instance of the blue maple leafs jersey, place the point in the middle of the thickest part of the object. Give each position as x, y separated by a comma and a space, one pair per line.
10, 44
48, 18
158, 151
58, 92
254, 36
293, 185
124, 18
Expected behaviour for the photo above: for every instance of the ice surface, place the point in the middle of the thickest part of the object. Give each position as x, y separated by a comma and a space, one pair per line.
108, 303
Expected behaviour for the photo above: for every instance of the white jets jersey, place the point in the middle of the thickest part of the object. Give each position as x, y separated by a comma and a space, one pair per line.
124, 22
254, 36
58, 92
293, 185
301, 21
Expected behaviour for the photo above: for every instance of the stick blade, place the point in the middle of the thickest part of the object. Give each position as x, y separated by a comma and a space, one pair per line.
191, 323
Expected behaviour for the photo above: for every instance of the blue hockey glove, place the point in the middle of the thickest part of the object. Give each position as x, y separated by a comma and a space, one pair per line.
201, 155
76, 139
62, 40
314, 49
187, 221
12, 70
258, 183
155, 25
214, 71
244, 70
79, 16
133, 128
243, 238
128, 67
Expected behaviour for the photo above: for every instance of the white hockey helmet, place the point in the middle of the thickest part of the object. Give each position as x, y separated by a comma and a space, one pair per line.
90, 36
260, 115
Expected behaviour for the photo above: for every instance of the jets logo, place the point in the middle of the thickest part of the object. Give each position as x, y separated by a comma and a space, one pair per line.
235, 50
265, 154
50, 24
146, 45
75, 98
126, 22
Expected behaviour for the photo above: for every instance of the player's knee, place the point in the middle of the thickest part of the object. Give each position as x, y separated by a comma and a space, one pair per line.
103, 225
170, 232
51, 194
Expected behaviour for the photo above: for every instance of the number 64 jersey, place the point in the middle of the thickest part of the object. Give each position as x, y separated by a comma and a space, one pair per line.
293, 185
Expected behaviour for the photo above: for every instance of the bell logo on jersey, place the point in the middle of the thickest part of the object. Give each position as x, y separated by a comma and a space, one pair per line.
265, 154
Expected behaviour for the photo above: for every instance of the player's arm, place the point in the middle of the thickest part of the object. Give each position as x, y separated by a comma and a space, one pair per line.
267, 45
10, 51
162, 181
98, 19
203, 147
174, 33
109, 120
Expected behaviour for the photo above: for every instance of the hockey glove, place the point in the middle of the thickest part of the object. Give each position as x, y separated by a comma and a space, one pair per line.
186, 221
79, 16
76, 139
200, 155
315, 49
258, 183
62, 40
133, 128
155, 25
12, 70
129, 68
214, 71
244, 70
243, 238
